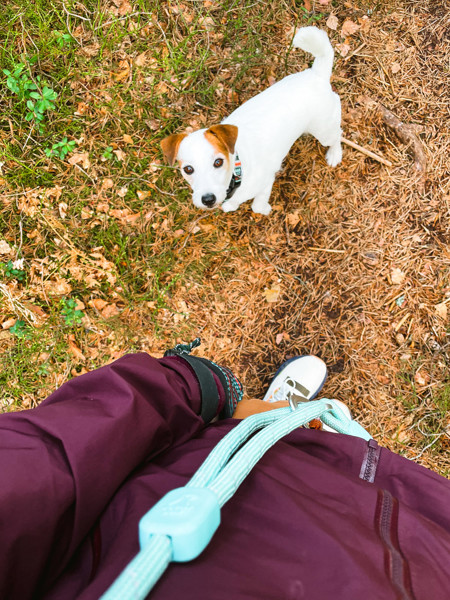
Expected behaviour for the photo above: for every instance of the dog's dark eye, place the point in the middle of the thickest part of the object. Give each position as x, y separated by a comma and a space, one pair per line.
188, 170
218, 162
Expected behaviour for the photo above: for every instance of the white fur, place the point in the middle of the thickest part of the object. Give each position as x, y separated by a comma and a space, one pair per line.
268, 124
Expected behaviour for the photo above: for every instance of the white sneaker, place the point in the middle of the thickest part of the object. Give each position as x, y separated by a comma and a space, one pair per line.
299, 379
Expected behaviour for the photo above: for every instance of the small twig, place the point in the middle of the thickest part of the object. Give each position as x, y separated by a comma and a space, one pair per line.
192, 229
288, 238
438, 436
74, 15
380, 159
327, 250
69, 14
355, 52
83, 171
404, 132
125, 17
402, 320
21, 239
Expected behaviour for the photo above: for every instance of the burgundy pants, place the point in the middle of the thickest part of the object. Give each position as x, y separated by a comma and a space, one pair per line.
322, 516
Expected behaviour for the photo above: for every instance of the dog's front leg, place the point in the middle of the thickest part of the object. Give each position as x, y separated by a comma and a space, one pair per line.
230, 205
260, 203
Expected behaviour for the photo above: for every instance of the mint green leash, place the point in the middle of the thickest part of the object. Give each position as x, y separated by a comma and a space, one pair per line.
180, 526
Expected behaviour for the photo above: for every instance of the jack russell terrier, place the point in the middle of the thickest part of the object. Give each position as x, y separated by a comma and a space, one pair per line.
237, 160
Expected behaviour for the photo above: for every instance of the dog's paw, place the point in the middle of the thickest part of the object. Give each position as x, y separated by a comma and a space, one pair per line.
334, 155
262, 209
229, 206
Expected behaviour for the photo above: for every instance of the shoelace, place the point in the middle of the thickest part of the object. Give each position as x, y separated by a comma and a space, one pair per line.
289, 391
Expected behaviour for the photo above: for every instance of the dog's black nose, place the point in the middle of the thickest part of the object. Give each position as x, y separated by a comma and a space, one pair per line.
208, 200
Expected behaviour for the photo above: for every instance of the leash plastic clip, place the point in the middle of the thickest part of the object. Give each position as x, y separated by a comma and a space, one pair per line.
188, 515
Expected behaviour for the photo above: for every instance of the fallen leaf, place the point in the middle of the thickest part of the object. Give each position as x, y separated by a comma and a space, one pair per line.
122, 192
272, 294
97, 303
294, 218
128, 139
343, 49
143, 194
421, 377
9, 323
57, 288
402, 434
397, 276
442, 310
332, 22
4, 247
125, 8
324, 2
307, 4
120, 154
395, 68
82, 108
82, 157
62, 208
141, 60
120, 75
110, 311
349, 28
74, 349
107, 184
91, 50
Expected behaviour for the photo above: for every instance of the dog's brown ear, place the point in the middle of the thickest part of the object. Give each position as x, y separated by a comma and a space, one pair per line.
226, 134
170, 146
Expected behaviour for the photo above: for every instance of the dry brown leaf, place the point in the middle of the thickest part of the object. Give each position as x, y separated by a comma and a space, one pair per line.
143, 194
332, 22
442, 310
110, 311
81, 157
107, 184
141, 60
128, 139
4, 247
82, 108
97, 303
74, 349
120, 154
397, 276
59, 287
395, 68
294, 218
421, 377
343, 49
125, 8
272, 294
91, 50
307, 4
62, 208
349, 27
9, 323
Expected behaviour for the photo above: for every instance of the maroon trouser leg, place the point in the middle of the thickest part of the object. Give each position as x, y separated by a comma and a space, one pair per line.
61, 462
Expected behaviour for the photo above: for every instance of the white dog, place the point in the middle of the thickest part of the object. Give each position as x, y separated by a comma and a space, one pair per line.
237, 160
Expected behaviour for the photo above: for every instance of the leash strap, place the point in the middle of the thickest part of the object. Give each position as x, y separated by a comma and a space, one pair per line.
180, 526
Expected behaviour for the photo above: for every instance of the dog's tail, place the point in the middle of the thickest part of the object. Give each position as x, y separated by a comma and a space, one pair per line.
315, 41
